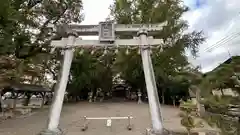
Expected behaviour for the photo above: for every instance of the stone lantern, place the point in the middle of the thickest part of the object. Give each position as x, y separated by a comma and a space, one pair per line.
139, 94
90, 94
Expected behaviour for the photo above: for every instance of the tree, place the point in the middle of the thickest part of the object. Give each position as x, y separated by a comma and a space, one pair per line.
91, 71
83, 72
130, 69
24, 30
188, 116
177, 91
175, 42
220, 77
197, 84
221, 111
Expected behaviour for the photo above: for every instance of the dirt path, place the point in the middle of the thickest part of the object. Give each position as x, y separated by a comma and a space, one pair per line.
71, 120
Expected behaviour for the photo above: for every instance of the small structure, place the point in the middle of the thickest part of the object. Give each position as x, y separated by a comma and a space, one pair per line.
139, 97
120, 91
90, 95
27, 90
108, 121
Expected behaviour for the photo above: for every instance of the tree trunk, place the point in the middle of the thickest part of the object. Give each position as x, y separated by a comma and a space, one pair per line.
1, 102
102, 96
43, 99
94, 95
174, 102
238, 131
15, 97
76, 99
1, 106
222, 92
14, 103
163, 97
27, 100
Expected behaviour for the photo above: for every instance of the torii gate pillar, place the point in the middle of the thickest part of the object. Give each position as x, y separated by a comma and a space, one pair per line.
142, 41
56, 107
154, 105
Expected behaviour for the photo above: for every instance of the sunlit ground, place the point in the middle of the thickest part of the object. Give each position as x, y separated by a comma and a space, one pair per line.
71, 120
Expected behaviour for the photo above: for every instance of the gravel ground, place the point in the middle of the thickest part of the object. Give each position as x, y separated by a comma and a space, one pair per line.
72, 120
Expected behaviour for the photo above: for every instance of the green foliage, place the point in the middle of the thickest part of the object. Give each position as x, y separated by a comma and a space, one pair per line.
24, 31
130, 69
25, 38
218, 115
218, 108
228, 125
187, 106
217, 101
188, 116
91, 71
226, 75
167, 63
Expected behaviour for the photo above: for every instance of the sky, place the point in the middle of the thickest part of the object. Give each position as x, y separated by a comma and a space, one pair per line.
218, 19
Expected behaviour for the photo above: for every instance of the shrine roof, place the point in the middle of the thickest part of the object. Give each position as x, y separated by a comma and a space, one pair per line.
25, 88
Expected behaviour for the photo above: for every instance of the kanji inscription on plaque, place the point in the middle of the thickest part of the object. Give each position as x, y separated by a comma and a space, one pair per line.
106, 31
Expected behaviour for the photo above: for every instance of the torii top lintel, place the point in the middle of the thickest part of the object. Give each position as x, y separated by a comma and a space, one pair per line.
118, 29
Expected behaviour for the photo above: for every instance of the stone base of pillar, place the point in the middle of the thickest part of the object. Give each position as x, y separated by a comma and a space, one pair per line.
49, 132
151, 132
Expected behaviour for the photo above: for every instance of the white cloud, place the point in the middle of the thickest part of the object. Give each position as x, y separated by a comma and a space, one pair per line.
95, 11
217, 19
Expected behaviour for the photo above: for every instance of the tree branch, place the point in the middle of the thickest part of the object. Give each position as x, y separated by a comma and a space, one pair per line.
38, 49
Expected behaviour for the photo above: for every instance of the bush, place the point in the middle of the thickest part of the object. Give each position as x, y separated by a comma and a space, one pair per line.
188, 114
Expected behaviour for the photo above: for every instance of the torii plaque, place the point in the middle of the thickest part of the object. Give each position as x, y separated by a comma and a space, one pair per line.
106, 32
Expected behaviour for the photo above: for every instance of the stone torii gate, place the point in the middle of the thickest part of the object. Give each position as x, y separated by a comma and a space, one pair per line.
107, 32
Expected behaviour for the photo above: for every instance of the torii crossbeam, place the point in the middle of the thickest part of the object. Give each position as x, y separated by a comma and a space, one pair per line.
107, 32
